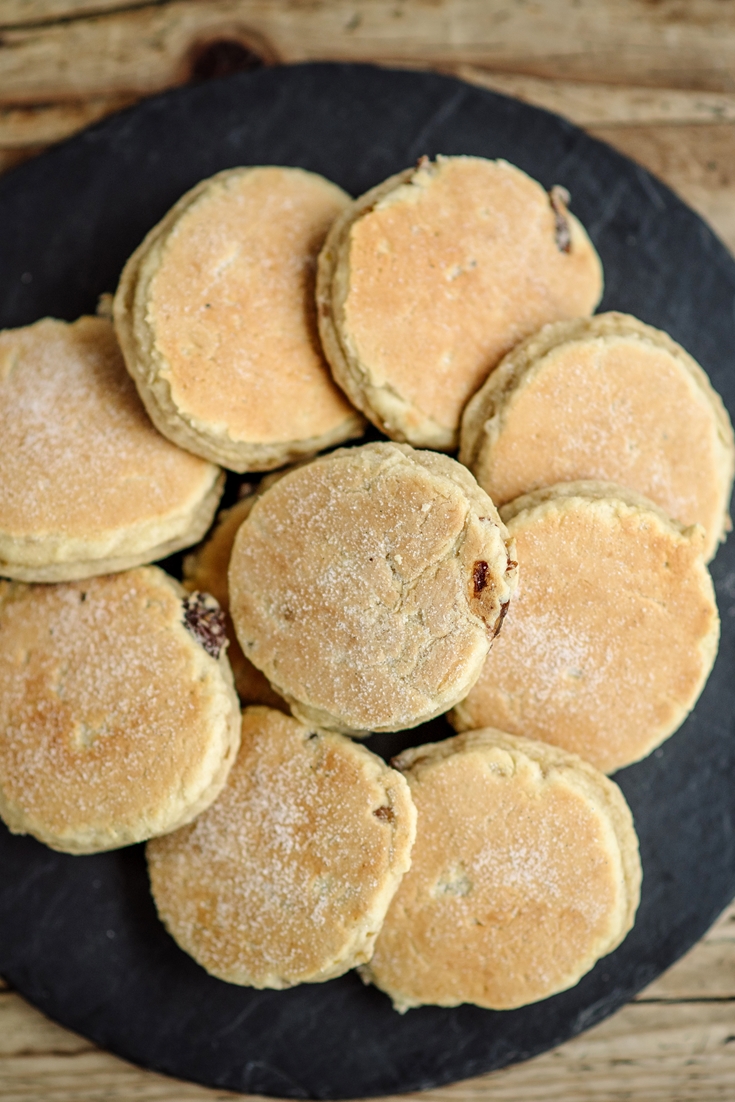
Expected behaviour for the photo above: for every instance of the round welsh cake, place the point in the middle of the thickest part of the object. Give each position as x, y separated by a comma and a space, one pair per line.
87, 484
368, 585
525, 871
605, 398
287, 877
612, 634
426, 281
216, 318
118, 718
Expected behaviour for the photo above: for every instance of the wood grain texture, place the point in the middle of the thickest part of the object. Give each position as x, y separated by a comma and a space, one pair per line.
675, 1042
599, 104
698, 162
9, 158
138, 50
647, 1052
38, 125
15, 13
656, 79
686, 138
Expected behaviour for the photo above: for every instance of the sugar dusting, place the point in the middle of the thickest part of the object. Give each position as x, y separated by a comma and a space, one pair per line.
603, 643
232, 307
511, 893
274, 879
79, 454
623, 411
103, 716
450, 272
355, 596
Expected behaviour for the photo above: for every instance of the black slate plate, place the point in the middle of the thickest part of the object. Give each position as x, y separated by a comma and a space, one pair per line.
78, 935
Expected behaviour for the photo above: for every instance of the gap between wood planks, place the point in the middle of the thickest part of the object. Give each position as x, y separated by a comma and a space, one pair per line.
586, 104
659, 44
696, 160
686, 136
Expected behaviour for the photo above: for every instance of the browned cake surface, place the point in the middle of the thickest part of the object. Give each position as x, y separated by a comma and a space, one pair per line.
85, 478
287, 877
524, 872
367, 586
612, 634
605, 398
115, 724
216, 316
433, 276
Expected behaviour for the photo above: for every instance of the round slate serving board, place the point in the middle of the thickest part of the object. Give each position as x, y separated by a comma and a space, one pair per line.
79, 936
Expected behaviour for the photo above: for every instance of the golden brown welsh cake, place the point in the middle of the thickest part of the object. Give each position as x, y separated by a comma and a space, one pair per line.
612, 634
216, 318
287, 877
87, 484
368, 584
525, 871
118, 718
426, 281
605, 398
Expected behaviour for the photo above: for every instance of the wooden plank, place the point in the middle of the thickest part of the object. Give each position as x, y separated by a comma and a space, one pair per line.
706, 972
646, 1052
652, 1051
42, 124
41, 1060
597, 104
143, 49
687, 139
120, 56
586, 104
15, 13
672, 133
698, 162
9, 158
24, 1030
689, 155
131, 53
724, 928
93, 1077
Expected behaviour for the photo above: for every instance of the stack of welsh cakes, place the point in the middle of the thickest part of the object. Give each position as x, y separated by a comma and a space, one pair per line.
548, 590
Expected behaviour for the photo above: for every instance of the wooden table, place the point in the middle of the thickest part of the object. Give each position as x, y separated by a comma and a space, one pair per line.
656, 79
674, 1043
